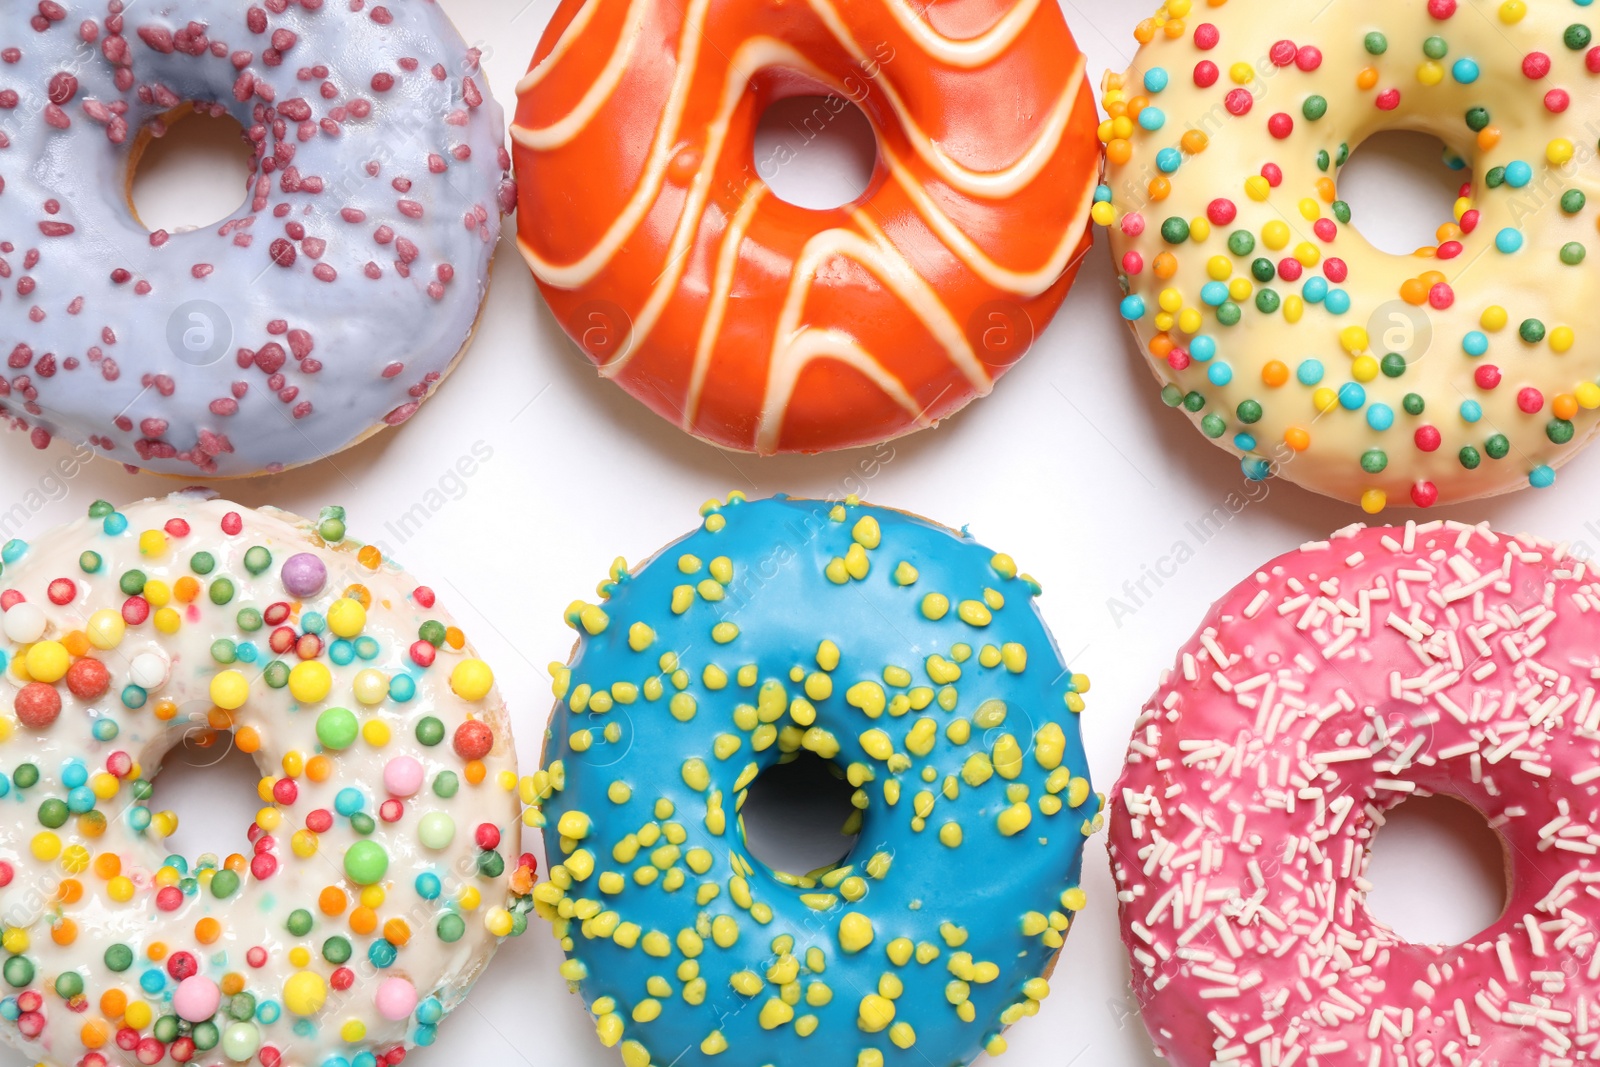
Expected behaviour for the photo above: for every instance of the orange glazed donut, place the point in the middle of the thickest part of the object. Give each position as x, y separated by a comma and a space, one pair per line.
762, 326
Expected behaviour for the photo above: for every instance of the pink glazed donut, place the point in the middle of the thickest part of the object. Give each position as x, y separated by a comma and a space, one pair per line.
1336, 682
328, 306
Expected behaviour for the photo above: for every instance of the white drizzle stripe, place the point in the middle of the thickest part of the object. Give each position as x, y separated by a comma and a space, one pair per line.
721, 290
990, 185
573, 275
754, 53
573, 122
818, 344
793, 344
568, 38
973, 51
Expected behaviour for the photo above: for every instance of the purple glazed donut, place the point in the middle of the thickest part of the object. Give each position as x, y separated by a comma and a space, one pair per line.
330, 304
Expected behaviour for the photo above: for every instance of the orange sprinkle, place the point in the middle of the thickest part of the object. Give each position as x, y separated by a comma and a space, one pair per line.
1173, 29
1193, 142
360, 594
108, 865
1431, 278
247, 739
1160, 187
1145, 32
207, 930
1414, 292
1117, 110
218, 719
93, 1034
1367, 78
1297, 438
1275, 373
475, 771
233, 983
76, 643
332, 901
1165, 265
318, 768
1448, 232
1488, 137
1136, 105
1565, 406
185, 589
396, 932
1119, 151
64, 932
113, 1002
363, 920
236, 863
1161, 345
369, 557
92, 823
166, 710
70, 891
157, 951
1326, 191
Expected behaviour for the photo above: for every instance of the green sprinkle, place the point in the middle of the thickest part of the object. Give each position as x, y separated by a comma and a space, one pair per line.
1314, 108
257, 560
1477, 119
1262, 270
221, 591
1469, 458
1241, 242
1413, 403
1573, 201
1174, 231
1435, 48
1531, 331
90, 563
1194, 401
1497, 446
1374, 460
1376, 43
1267, 301
1572, 253
1577, 37
1393, 365
202, 563
1213, 425
1249, 411
1559, 431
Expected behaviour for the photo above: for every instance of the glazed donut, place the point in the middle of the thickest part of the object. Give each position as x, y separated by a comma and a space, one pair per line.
764, 327
914, 661
373, 889
1318, 695
329, 305
1459, 371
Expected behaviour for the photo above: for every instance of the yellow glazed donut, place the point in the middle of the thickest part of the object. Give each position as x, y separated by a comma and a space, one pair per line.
1455, 372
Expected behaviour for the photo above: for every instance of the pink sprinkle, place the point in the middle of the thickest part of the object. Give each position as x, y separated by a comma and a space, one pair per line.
1535, 66
1206, 36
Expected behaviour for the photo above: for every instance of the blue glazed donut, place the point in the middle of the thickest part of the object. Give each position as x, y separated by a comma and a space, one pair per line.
915, 661
330, 304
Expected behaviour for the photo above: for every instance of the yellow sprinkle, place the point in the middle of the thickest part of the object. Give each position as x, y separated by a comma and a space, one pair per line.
230, 689
309, 682
855, 933
875, 1013
935, 606
695, 775
866, 532
471, 679
1014, 819
904, 573
974, 613
828, 655
722, 570
346, 617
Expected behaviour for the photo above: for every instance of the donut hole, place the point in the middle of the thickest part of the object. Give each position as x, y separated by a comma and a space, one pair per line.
815, 152
208, 782
1400, 190
795, 814
194, 174
1429, 842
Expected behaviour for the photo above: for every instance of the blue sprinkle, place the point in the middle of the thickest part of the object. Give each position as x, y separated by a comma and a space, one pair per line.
1380, 416
1475, 343
9, 1009
268, 1011
1244, 442
1152, 118
80, 800
1542, 477
1220, 374
342, 652
430, 1011
335, 1061
1213, 294
1102, 194
115, 523
1168, 160
402, 687
73, 774
1508, 240
139, 818
364, 1059
13, 551
1518, 174
152, 981
1132, 307
382, 953
1352, 396
1155, 79
5, 784
105, 729
313, 623
1465, 71
1255, 468
428, 886
177, 863
425, 1035
1471, 410
349, 801
1337, 301
1202, 348
1309, 372
134, 697
1315, 289
367, 648
248, 652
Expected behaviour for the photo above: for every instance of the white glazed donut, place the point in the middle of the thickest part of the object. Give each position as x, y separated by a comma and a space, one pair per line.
373, 886
330, 304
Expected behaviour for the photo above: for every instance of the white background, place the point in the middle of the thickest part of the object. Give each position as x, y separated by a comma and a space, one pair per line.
1072, 465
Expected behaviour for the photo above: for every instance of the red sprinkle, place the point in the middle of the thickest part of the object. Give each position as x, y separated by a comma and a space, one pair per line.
319, 821
473, 740
1487, 376
1205, 74
1282, 53
1206, 36
38, 705
1428, 438
1441, 9
1280, 125
1335, 270
1530, 399
88, 679
1388, 100
1239, 102
1309, 58
1441, 296
487, 835
1424, 494
1556, 101
1535, 65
